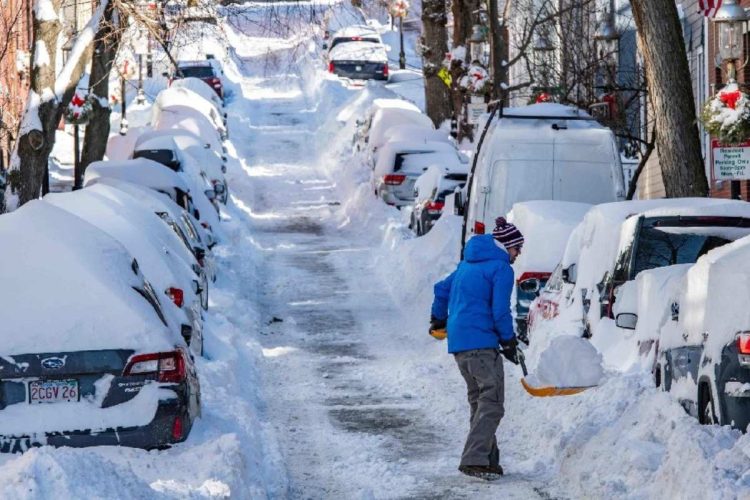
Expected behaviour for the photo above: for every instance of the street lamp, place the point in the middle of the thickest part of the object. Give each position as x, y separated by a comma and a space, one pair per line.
731, 22
399, 8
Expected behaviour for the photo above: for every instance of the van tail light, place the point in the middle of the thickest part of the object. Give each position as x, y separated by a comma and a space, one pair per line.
331, 67
394, 179
478, 227
435, 207
176, 295
166, 366
215, 83
385, 70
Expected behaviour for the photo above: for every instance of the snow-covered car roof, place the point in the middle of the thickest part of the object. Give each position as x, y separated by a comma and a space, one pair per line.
546, 109
193, 63
356, 30
184, 118
201, 88
359, 51
141, 171
185, 101
388, 117
415, 133
162, 141
141, 233
434, 178
382, 103
208, 160
434, 152
70, 288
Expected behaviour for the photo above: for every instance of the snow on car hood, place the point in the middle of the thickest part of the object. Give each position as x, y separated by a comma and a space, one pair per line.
67, 286
141, 171
358, 51
185, 100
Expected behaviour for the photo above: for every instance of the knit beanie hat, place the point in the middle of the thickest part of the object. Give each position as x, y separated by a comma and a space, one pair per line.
507, 234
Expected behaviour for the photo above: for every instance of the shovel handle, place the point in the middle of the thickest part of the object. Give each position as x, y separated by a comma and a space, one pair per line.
522, 361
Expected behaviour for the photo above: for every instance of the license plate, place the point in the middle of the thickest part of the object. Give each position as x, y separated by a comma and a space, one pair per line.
53, 391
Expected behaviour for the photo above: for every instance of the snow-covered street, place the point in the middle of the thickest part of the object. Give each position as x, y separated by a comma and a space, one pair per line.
319, 379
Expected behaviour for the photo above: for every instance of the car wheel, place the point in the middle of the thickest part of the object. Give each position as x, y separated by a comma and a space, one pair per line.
706, 409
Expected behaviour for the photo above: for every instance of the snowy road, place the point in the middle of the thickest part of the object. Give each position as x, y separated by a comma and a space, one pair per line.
345, 428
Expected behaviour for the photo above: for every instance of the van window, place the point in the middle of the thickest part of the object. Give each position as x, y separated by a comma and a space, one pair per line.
512, 181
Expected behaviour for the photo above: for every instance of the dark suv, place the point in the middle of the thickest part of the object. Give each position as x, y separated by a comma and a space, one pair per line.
203, 70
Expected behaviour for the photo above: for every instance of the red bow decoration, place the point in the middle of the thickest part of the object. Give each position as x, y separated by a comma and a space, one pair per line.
730, 98
77, 100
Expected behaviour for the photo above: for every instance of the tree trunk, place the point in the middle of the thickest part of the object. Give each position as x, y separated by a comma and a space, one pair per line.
106, 45
669, 86
435, 42
463, 20
498, 51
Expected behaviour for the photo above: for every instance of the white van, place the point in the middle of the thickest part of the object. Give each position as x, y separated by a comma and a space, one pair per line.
541, 152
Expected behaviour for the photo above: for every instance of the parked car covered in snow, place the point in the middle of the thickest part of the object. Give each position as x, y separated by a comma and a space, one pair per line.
704, 344
541, 152
357, 52
156, 176
206, 70
400, 163
148, 240
617, 241
178, 102
546, 226
430, 190
202, 89
385, 117
362, 133
70, 377
182, 151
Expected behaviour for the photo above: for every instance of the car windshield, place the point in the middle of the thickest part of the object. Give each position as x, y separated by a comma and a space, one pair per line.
197, 71
658, 247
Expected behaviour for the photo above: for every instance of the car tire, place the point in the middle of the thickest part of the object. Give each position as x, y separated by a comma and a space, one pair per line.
706, 408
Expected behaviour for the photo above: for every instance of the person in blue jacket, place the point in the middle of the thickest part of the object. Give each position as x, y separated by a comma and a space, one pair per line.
473, 304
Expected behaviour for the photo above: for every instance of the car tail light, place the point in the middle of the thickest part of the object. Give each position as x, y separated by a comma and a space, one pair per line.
167, 366
385, 70
394, 179
530, 276
176, 295
215, 83
331, 67
435, 207
743, 343
177, 429
478, 227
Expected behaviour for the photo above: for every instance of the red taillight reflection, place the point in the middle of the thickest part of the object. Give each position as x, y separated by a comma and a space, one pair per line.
331, 67
394, 179
177, 429
176, 295
478, 227
385, 70
532, 275
743, 343
435, 207
167, 366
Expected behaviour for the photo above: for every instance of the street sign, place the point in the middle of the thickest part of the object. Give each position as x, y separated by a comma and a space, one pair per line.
445, 75
730, 161
474, 112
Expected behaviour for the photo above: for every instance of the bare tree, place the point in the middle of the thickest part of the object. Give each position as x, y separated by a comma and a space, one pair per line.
50, 93
678, 139
435, 46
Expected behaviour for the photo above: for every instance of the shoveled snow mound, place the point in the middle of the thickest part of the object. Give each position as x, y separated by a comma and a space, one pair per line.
568, 361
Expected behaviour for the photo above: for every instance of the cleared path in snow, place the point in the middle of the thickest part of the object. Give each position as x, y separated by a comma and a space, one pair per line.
344, 430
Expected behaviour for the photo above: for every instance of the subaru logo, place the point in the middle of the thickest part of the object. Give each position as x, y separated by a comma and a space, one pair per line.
53, 363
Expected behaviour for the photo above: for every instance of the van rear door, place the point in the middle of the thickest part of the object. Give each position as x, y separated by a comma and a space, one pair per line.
585, 167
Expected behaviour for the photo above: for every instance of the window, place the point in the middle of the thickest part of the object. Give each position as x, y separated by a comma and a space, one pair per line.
660, 248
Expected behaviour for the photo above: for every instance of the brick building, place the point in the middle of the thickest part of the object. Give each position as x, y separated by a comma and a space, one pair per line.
15, 47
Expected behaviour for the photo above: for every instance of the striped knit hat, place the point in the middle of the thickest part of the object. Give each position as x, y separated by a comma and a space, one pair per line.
507, 234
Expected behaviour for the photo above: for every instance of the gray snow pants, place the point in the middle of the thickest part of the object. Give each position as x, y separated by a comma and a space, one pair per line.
482, 369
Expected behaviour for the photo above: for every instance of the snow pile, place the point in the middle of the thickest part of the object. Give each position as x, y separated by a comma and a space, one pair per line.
568, 361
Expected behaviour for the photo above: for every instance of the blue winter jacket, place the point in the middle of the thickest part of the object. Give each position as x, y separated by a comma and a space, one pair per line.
476, 298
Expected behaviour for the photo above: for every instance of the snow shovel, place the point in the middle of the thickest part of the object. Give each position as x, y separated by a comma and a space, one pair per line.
547, 391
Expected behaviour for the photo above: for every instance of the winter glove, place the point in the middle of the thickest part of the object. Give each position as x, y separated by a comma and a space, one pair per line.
510, 350
437, 328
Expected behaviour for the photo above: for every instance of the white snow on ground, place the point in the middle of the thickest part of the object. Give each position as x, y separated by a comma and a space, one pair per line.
320, 380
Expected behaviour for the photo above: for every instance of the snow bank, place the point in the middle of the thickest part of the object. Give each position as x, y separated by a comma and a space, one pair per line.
568, 361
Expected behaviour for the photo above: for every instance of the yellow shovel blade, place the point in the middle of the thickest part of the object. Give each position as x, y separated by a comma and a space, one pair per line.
439, 334
544, 392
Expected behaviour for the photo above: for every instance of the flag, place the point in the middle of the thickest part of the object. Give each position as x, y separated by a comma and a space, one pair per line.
709, 7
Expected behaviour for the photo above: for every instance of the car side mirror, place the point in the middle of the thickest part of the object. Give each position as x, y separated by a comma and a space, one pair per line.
627, 321
570, 274
197, 289
531, 285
